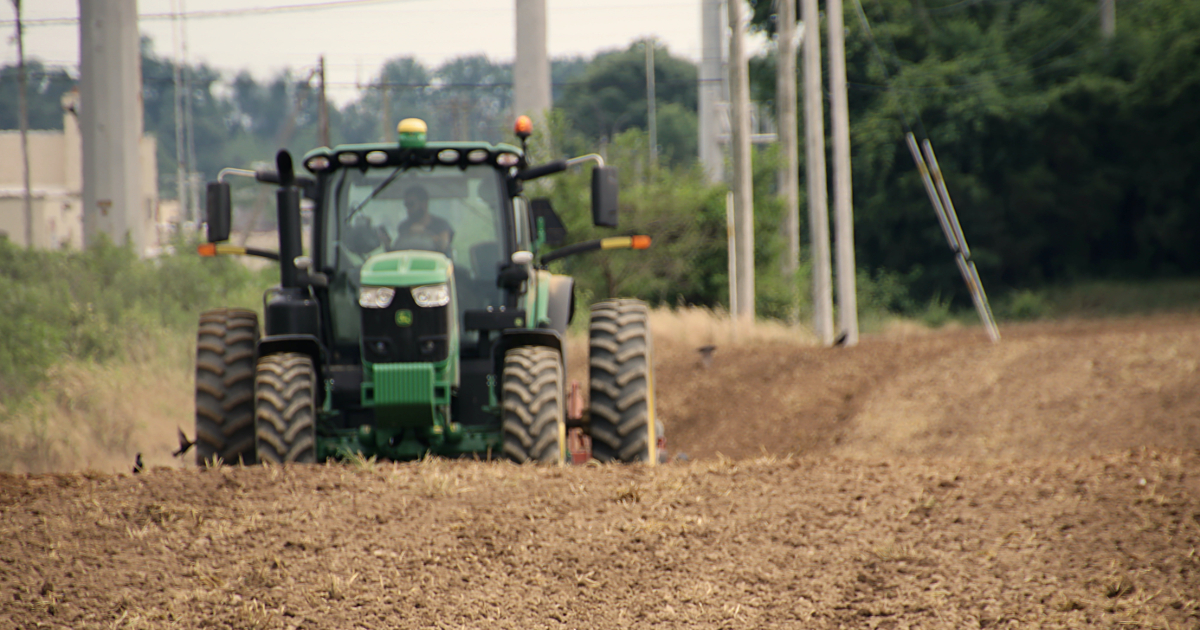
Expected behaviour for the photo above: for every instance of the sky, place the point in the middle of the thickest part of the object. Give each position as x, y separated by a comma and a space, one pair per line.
356, 40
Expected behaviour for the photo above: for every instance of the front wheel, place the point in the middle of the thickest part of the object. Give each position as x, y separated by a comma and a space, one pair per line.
285, 415
534, 425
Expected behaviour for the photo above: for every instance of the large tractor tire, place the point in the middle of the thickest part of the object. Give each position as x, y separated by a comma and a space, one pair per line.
225, 349
534, 424
621, 381
285, 413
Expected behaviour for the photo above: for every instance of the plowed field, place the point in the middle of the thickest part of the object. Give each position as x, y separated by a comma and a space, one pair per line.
927, 481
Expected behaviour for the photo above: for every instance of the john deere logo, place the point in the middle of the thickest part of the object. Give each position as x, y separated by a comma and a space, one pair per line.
404, 317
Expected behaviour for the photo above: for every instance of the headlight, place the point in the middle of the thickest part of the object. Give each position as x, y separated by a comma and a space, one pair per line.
431, 295
375, 297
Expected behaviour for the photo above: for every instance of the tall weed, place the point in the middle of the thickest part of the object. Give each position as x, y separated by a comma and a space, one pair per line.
93, 305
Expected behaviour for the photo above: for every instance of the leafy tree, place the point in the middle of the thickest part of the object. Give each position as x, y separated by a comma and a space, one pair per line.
684, 215
610, 97
209, 115
563, 71
44, 88
1066, 154
407, 85
470, 108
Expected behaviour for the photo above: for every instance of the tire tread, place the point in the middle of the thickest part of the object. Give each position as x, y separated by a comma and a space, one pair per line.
533, 406
226, 341
620, 381
285, 411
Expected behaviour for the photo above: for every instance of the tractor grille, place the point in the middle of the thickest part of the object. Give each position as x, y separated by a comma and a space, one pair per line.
404, 332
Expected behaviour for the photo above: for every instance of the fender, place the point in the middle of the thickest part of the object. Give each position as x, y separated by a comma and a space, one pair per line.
304, 344
517, 337
561, 302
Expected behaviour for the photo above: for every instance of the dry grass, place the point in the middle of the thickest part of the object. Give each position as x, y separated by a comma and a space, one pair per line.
899, 328
695, 326
98, 417
337, 587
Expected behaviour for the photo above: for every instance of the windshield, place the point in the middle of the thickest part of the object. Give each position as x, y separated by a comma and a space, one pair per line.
444, 209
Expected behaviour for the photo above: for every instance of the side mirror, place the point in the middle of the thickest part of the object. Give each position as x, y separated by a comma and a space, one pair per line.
604, 196
556, 232
218, 211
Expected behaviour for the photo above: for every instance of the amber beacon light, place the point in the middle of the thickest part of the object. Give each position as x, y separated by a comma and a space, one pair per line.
524, 127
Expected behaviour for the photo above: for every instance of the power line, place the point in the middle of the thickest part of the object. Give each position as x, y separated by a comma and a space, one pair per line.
862, 16
218, 13
293, 8
965, 4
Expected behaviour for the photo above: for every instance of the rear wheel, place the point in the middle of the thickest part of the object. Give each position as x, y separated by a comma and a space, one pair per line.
225, 348
285, 414
621, 382
534, 424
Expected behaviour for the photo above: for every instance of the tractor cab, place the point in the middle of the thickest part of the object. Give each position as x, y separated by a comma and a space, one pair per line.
417, 212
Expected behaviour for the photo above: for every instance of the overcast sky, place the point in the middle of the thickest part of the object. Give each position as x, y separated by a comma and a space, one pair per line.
356, 40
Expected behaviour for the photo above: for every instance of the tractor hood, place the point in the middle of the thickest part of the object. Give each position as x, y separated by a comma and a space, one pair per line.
409, 268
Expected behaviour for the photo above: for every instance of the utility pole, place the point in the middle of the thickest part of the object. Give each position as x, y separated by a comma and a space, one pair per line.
711, 90
323, 108
110, 122
388, 130
23, 123
1108, 17
839, 116
814, 143
651, 110
789, 171
189, 96
743, 195
531, 70
731, 247
176, 70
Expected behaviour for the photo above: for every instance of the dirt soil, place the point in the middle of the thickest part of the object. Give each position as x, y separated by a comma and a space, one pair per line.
924, 481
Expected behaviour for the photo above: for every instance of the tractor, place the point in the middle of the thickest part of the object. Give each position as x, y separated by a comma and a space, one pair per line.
421, 318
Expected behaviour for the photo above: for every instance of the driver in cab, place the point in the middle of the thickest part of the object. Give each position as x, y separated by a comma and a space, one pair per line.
422, 230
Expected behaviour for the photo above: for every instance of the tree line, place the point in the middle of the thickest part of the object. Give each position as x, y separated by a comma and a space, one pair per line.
1070, 156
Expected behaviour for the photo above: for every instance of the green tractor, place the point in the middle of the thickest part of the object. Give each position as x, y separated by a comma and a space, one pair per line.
422, 320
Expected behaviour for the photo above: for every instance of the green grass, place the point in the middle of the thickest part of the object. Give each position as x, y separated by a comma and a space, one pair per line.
96, 351
1096, 299
94, 305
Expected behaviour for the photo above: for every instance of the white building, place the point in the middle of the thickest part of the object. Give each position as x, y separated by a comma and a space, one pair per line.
56, 183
